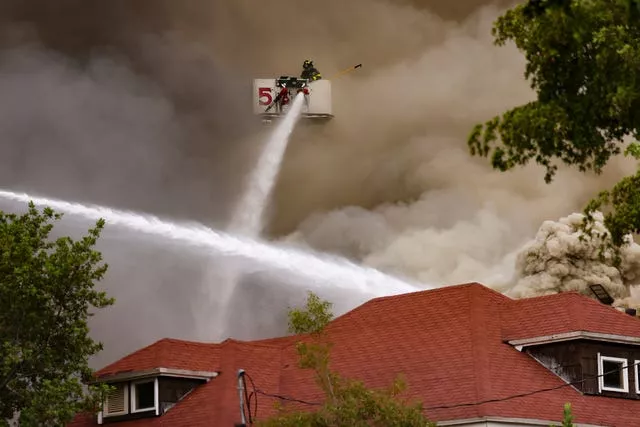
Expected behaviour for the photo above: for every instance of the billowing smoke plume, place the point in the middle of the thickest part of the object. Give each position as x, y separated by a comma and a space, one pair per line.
106, 103
563, 257
390, 182
145, 105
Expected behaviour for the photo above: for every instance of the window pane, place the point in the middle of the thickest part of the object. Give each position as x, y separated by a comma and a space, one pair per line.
612, 379
145, 395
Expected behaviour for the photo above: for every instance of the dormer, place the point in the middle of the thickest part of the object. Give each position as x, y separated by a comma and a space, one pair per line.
592, 346
593, 363
149, 393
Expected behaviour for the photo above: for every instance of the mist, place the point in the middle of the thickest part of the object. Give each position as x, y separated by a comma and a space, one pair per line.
147, 107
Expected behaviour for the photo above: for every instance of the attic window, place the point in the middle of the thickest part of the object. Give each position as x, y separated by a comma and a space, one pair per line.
143, 395
117, 400
612, 374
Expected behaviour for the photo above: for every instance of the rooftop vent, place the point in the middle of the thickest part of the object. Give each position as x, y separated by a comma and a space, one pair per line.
601, 293
631, 312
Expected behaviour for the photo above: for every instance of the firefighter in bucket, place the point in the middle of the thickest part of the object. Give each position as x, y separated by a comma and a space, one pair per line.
309, 72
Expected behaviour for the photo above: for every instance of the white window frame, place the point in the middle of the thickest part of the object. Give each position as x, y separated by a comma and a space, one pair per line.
105, 414
156, 396
625, 377
635, 366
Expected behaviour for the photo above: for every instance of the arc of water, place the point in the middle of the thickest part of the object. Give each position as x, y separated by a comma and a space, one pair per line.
313, 269
309, 266
249, 214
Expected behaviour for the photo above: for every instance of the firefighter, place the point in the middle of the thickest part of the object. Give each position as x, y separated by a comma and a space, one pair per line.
309, 71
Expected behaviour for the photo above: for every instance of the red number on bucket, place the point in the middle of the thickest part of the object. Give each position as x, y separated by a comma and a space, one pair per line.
265, 92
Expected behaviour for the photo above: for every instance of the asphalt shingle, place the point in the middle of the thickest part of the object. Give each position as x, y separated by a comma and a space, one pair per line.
449, 344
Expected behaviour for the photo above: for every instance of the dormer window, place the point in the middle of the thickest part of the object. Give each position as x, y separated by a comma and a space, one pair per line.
150, 393
117, 400
612, 374
144, 395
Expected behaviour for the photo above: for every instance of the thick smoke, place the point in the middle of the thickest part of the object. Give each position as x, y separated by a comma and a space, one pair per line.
390, 182
146, 107
418, 203
563, 257
99, 105
105, 102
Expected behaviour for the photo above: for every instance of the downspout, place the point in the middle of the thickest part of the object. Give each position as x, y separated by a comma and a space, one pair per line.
243, 421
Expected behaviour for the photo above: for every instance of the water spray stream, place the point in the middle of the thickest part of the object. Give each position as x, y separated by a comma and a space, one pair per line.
312, 269
249, 214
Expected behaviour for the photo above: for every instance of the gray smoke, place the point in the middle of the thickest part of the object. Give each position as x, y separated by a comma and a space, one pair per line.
391, 183
104, 133
146, 107
562, 257
101, 132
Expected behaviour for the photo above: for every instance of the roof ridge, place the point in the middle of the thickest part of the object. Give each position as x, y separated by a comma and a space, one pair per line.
191, 342
562, 294
261, 344
129, 355
441, 289
479, 303
487, 289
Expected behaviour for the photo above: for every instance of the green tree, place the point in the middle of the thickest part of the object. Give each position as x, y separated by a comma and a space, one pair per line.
347, 402
583, 61
567, 417
46, 293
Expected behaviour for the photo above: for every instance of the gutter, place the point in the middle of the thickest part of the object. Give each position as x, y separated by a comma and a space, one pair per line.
148, 373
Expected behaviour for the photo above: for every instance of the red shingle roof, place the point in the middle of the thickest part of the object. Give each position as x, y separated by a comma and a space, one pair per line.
449, 343
168, 353
562, 313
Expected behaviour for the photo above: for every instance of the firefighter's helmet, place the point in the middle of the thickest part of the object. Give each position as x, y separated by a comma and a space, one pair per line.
307, 64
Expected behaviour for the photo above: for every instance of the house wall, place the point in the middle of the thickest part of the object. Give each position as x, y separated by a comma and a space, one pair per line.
577, 362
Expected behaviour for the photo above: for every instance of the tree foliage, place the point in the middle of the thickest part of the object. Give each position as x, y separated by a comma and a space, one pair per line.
622, 203
583, 61
46, 293
347, 402
567, 416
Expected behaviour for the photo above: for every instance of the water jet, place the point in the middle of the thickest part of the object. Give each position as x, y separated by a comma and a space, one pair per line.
314, 269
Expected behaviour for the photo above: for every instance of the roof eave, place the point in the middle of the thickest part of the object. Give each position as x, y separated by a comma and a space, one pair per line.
575, 335
165, 372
